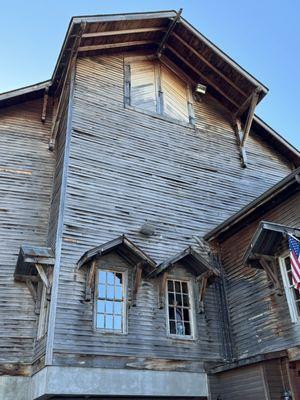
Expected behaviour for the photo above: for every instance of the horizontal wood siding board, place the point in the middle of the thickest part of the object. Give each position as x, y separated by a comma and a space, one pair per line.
26, 168
260, 320
183, 180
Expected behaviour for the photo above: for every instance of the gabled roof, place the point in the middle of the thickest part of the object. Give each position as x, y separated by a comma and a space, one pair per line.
29, 256
265, 242
269, 199
124, 247
191, 257
181, 43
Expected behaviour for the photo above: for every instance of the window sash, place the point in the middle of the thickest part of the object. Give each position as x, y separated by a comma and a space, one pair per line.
110, 302
289, 289
186, 309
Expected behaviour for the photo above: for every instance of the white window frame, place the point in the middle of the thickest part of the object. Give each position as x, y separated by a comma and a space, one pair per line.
288, 289
192, 336
125, 296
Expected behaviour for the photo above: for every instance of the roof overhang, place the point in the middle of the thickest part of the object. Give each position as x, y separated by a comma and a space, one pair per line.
272, 197
124, 248
190, 257
30, 258
266, 242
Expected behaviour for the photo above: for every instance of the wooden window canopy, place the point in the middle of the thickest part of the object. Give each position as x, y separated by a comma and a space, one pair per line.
125, 249
197, 264
31, 267
264, 247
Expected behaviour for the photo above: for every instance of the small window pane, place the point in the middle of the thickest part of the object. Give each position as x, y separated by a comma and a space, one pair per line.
118, 323
100, 306
171, 313
170, 286
184, 287
102, 291
187, 327
102, 277
171, 298
118, 307
186, 302
180, 328
118, 279
172, 328
177, 287
290, 276
110, 278
118, 292
109, 309
109, 322
110, 292
296, 294
100, 321
178, 299
186, 314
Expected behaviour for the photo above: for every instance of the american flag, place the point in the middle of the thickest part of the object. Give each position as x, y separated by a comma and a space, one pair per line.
294, 245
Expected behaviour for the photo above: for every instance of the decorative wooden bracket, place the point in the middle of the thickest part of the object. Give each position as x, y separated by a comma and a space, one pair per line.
162, 290
269, 265
169, 31
43, 275
90, 282
137, 282
202, 281
243, 133
45, 103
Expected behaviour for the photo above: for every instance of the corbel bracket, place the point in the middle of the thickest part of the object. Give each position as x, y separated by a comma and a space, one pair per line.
202, 281
269, 266
43, 275
45, 103
137, 282
169, 31
242, 133
162, 290
90, 282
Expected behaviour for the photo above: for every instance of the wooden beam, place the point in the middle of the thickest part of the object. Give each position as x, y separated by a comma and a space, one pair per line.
31, 288
122, 32
45, 103
239, 135
137, 282
42, 275
162, 289
272, 274
212, 84
90, 281
57, 117
162, 45
250, 115
206, 62
114, 45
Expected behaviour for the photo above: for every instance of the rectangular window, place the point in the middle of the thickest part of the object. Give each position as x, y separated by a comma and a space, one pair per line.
110, 302
179, 308
156, 88
292, 294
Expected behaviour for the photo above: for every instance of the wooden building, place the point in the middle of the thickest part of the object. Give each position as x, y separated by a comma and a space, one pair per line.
144, 141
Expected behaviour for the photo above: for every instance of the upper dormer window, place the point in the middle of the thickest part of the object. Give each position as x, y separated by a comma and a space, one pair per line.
155, 88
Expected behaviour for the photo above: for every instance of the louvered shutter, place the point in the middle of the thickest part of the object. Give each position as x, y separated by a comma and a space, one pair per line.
142, 85
174, 95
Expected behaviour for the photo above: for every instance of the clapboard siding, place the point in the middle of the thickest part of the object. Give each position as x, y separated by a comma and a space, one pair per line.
245, 383
260, 320
127, 167
26, 168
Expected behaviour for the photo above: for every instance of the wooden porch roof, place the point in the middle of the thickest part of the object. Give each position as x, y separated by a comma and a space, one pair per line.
266, 242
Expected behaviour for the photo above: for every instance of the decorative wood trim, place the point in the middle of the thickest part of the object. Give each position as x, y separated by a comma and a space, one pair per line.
137, 282
254, 101
42, 275
122, 32
162, 290
90, 281
272, 274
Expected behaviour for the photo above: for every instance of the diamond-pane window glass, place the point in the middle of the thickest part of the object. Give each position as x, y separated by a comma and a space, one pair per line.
179, 308
110, 302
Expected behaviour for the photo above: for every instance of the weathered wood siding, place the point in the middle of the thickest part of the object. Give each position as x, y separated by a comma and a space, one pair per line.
26, 168
127, 167
260, 319
245, 383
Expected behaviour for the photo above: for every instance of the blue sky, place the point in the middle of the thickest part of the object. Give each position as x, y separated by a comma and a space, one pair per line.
263, 36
